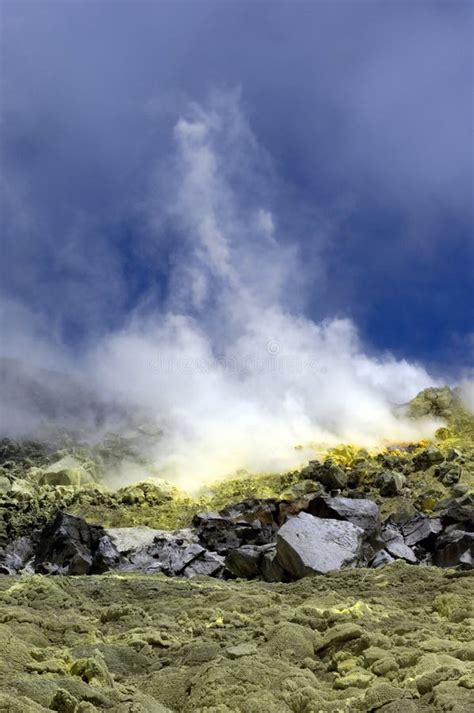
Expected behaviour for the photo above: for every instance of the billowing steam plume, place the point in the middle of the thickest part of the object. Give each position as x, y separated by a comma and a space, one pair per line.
234, 374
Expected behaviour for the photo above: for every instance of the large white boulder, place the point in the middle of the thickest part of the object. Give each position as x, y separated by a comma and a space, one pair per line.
313, 545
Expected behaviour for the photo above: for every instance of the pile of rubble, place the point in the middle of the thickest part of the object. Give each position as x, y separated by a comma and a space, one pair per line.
270, 539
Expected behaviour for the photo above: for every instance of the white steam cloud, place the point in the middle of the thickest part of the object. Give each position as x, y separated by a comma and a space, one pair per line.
232, 372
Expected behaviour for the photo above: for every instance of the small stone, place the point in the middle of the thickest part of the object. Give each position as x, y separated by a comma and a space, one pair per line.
381, 559
236, 652
390, 483
428, 457
66, 471
5, 485
339, 634
63, 702
356, 679
395, 545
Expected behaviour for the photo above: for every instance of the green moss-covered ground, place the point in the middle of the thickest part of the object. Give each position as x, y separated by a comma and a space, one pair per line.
397, 639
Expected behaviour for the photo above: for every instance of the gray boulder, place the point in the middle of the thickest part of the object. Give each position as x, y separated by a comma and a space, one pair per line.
130, 540
455, 548
249, 561
209, 564
328, 474
173, 556
66, 471
244, 561
69, 545
271, 569
360, 511
421, 530
427, 457
220, 534
395, 544
18, 556
312, 545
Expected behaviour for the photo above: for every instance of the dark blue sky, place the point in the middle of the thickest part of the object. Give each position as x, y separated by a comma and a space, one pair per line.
363, 110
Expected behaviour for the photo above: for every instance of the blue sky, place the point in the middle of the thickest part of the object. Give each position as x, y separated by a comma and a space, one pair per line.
363, 118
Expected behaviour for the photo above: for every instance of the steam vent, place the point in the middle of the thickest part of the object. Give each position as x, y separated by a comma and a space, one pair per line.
344, 585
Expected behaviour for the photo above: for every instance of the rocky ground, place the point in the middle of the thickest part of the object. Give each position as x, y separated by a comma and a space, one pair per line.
343, 586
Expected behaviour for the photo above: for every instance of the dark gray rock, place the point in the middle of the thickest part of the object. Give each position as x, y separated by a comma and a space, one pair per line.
263, 510
221, 534
427, 457
329, 474
390, 483
421, 530
308, 545
381, 559
209, 564
244, 562
271, 569
454, 548
459, 511
395, 544
69, 545
449, 473
361, 512
173, 557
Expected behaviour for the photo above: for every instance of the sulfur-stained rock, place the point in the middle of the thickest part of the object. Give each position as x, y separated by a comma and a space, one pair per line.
63, 702
309, 545
433, 401
390, 483
382, 694
66, 471
5, 485
245, 649
428, 457
339, 634
92, 670
355, 679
